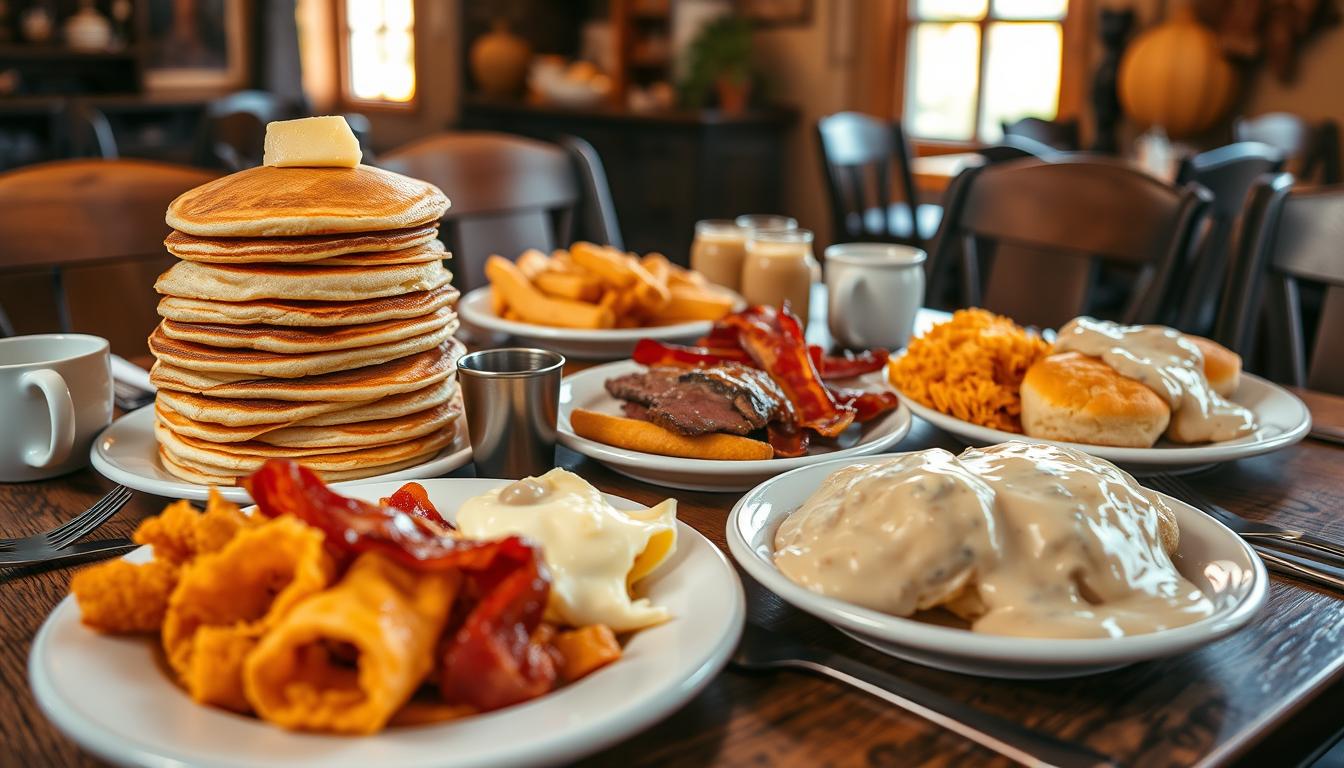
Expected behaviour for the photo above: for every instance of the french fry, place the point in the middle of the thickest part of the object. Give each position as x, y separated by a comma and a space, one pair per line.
497, 303
687, 304
533, 306
568, 285
533, 262
646, 437
586, 650
652, 290
609, 264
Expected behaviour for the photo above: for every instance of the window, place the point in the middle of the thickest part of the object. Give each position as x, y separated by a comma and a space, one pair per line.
379, 50
971, 64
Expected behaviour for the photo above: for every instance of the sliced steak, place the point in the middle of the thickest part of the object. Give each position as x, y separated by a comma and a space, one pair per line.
698, 408
635, 411
643, 388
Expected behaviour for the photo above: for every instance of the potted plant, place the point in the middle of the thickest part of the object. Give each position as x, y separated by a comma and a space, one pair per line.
719, 61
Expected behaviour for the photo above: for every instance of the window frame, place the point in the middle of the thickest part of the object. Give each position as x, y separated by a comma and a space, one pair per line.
345, 94
891, 90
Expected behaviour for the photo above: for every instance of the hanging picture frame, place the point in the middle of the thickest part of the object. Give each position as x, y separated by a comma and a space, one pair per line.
197, 45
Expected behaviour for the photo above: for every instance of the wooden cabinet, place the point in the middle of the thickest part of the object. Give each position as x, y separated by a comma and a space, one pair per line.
666, 170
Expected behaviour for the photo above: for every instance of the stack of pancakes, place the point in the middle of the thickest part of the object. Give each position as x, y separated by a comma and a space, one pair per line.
310, 317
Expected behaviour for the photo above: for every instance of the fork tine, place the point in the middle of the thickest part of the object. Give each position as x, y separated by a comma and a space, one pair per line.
55, 534
94, 517
1174, 486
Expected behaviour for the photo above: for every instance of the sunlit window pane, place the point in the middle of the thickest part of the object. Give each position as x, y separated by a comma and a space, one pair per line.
943, 77
1031, 9
381, 49
1022, 64
948, 9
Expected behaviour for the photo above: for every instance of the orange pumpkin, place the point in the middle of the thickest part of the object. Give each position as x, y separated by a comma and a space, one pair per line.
1174, 76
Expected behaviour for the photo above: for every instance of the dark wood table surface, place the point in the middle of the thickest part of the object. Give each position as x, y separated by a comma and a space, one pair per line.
1270, 694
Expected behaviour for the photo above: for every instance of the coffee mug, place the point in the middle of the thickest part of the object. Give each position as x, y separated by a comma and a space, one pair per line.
874, 292
55, 397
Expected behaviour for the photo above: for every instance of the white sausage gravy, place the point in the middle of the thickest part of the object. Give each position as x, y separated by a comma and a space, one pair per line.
1167, 363
1018, 539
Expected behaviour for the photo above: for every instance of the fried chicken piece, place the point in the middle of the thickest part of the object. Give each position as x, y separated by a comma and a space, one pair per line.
180, 532
120, 597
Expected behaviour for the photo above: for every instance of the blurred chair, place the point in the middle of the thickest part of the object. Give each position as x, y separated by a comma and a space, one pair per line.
363, 130
83, 243
596, 218
508, 193
88, 133
858, 154
1042, 229
1290, 240
1312, 152
1059, 134
1017, 148
1228, 173
232, 134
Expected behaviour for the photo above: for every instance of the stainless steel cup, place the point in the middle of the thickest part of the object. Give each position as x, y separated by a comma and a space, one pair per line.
511, 397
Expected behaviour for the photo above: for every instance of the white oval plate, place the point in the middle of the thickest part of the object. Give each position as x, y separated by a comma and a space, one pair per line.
111, 696
1216, 560
586, 390
578, 343
1283, 419
127, 453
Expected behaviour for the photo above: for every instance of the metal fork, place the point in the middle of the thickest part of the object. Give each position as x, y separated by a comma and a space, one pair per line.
74, 528
1250, 530
761, 649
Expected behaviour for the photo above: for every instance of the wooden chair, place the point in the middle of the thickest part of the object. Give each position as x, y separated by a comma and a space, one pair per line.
83, 243
88, 132
1312, 151
1291, 239
1042, 229
508, 194
858, 155
1017, 148
1059, 134
232, 134
1228, 173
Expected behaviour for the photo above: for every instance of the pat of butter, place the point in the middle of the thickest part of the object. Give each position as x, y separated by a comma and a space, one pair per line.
313, 142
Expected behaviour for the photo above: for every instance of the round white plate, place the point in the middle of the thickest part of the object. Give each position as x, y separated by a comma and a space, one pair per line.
1282, 417
1213, 558
127, 453
587, 390
577, 343
111, 696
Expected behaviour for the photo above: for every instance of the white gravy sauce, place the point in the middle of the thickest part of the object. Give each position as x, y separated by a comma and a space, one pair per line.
1170, 365
1018, 539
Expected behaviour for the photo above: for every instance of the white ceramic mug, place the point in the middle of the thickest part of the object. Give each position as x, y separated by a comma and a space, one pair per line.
874, 292
55, 397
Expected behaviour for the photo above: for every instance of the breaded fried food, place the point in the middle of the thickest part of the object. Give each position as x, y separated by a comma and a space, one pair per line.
180, 532
226, 600
120, 597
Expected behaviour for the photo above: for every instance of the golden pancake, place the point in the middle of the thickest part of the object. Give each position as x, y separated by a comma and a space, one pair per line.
403, 374
199, 357
421, 255
283, 202
307, 313
247, 282
242, 250
337, 437
290, 340
212, 476
245, 458
231, 411
238, 412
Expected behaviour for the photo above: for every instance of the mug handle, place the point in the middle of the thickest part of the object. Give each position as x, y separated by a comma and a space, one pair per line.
61, 409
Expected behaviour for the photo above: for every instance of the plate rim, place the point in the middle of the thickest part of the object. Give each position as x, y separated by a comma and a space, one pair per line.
566, 745
988, 648
469, 311
718, 468
1203, 453
446, 460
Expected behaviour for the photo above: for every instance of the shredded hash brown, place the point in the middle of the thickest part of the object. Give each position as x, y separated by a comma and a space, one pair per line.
971, 368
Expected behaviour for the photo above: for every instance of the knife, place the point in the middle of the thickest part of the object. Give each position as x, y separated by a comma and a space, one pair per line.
81, 551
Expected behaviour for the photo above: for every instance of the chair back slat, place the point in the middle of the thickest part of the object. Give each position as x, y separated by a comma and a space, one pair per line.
1312, 151
861, 158
1058, 134
508, 194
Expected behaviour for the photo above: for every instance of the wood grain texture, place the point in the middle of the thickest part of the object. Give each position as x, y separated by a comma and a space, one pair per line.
1267, 695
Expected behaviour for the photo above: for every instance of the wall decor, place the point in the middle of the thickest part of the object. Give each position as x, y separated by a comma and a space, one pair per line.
196, 45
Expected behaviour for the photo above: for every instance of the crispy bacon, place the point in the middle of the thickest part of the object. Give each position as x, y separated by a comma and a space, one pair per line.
867, 404
653, 353
848, 364
413, 499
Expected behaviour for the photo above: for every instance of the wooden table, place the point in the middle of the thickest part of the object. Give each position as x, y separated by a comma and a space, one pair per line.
1267, 695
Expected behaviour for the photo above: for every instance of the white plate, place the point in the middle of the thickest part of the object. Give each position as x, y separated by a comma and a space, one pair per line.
586, 390
577, 343
1216, 560
1283, 419
127, 453
111, 696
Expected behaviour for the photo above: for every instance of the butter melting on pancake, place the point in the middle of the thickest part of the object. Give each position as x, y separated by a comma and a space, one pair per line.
1019, 539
